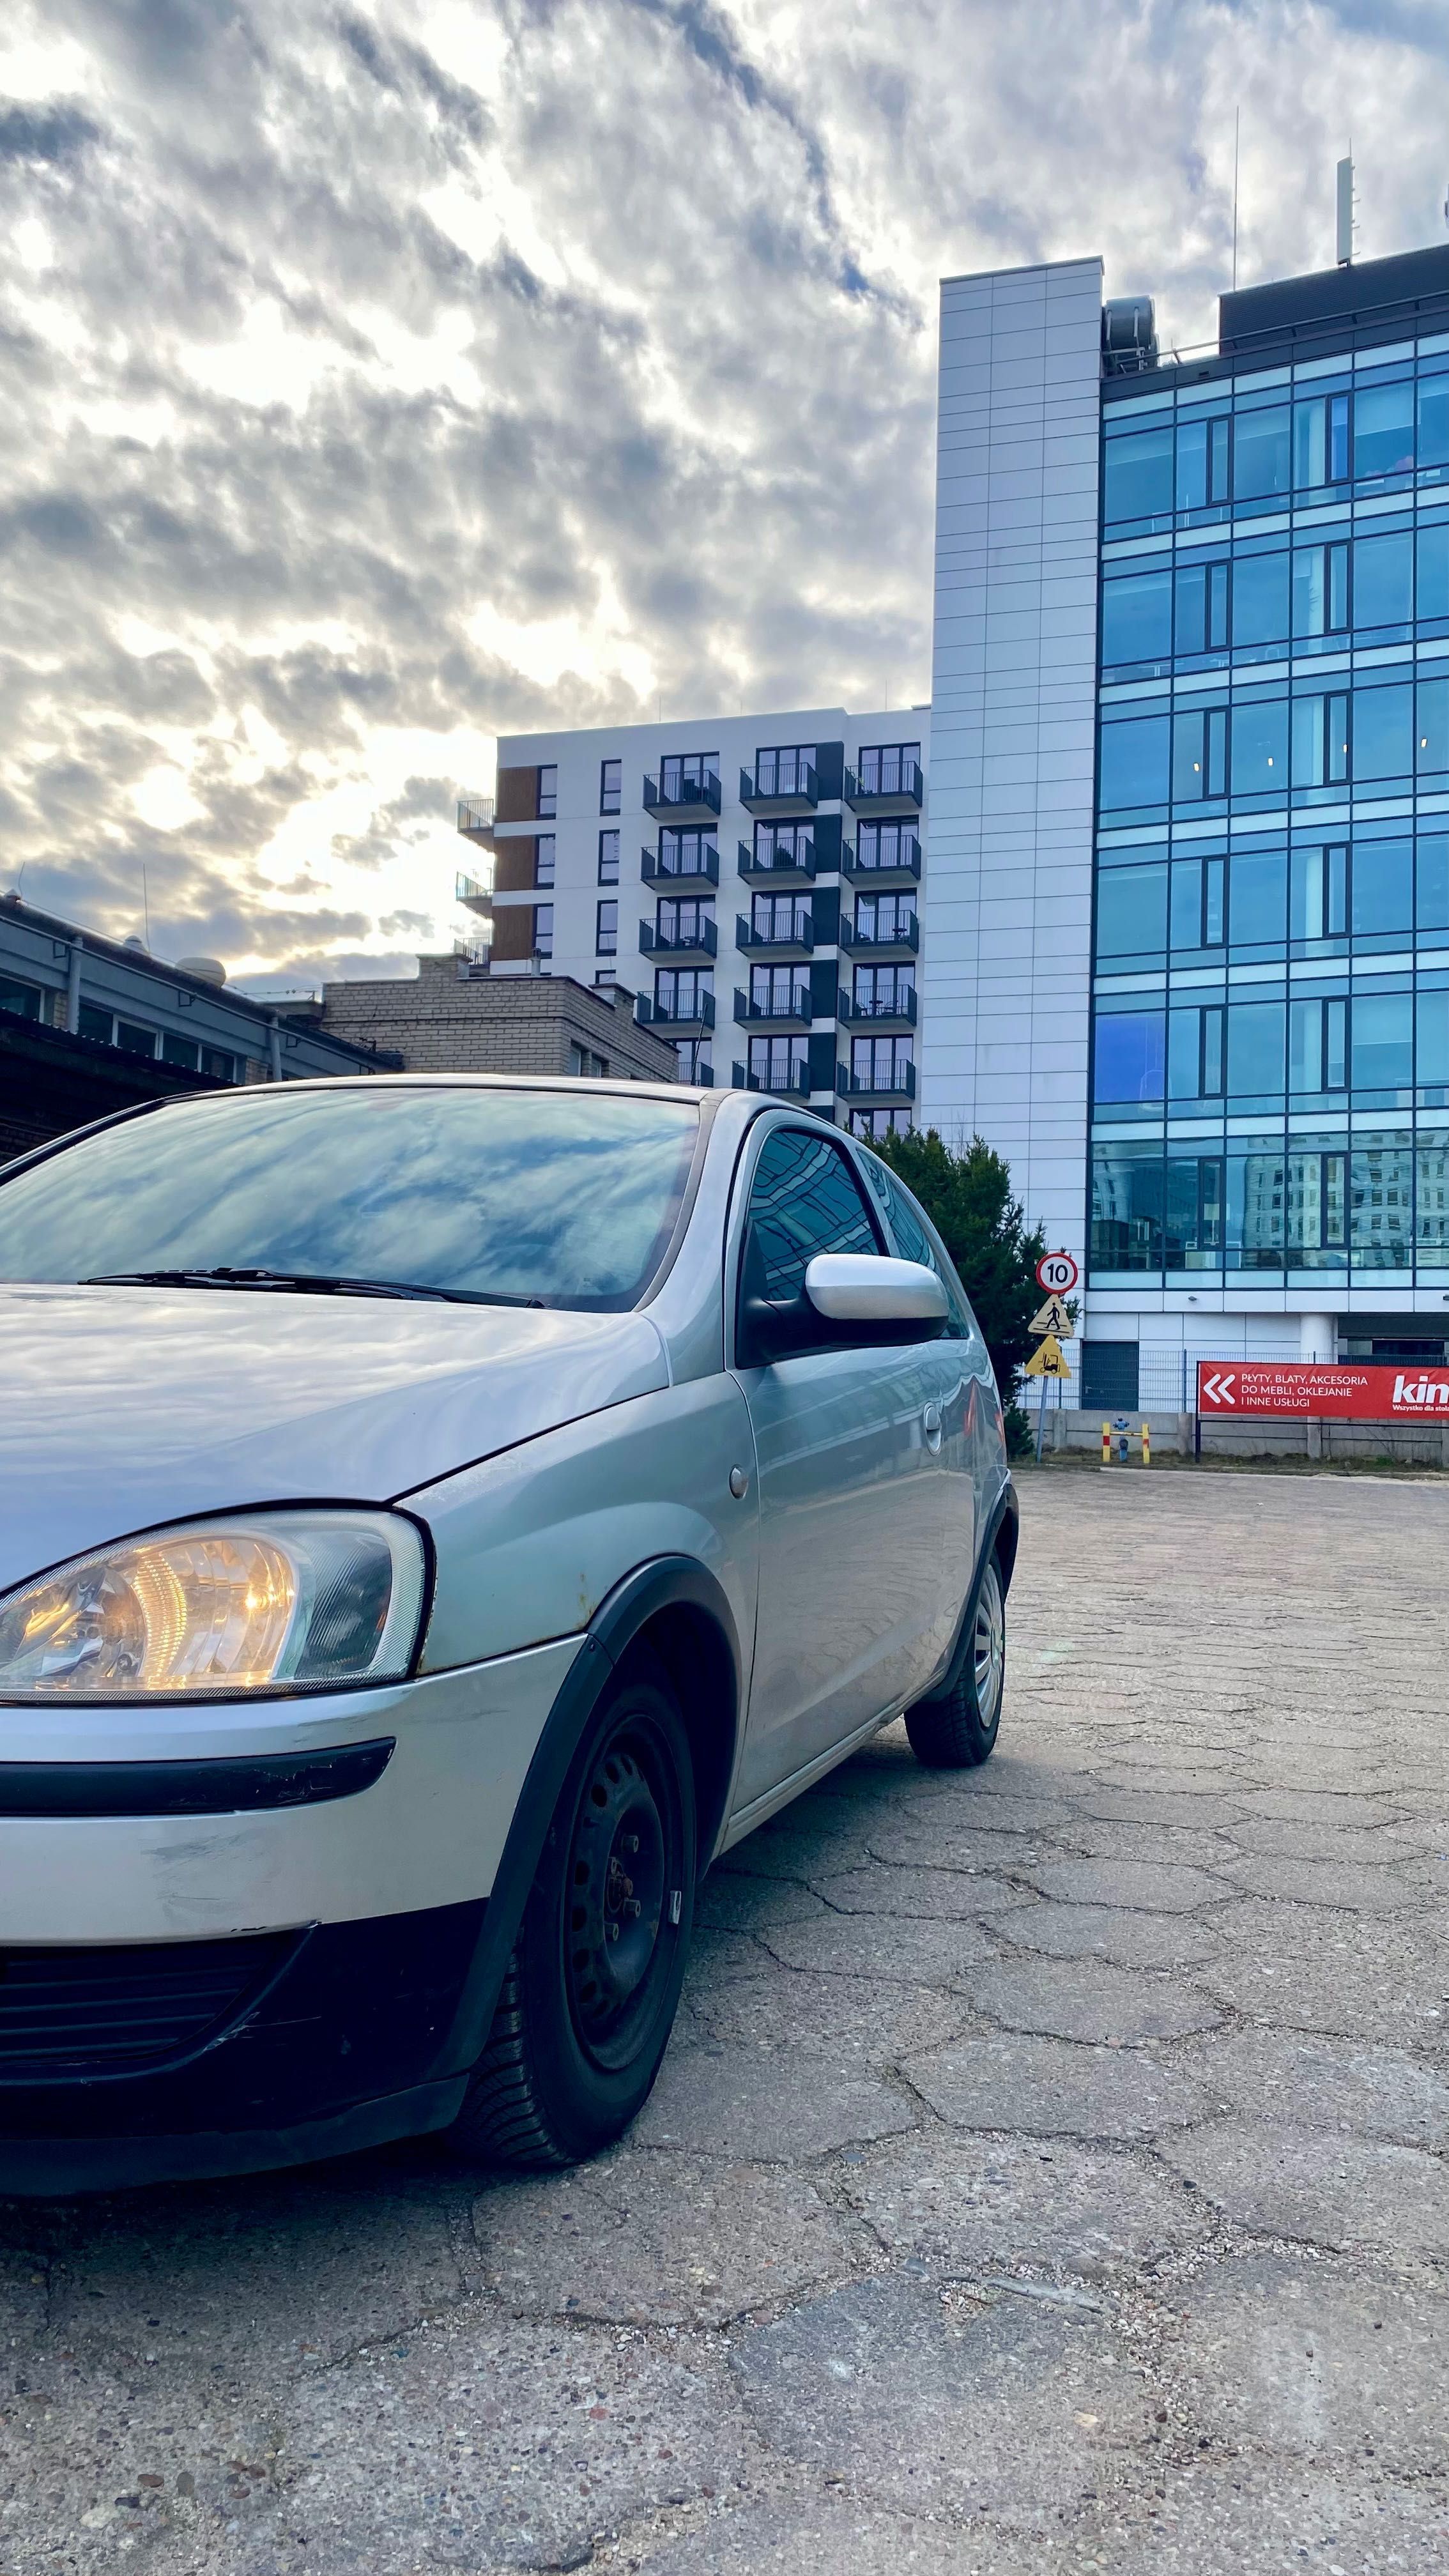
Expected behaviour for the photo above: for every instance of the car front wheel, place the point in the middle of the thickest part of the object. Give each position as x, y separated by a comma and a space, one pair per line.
959, 1731
593, 1982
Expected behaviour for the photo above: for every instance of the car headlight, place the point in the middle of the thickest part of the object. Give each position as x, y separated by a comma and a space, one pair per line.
224, 1607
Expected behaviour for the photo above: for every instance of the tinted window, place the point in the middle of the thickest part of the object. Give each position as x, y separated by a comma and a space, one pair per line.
916, 1238
1137, 617
1131, 911
1260, 599
1260, 453
1134, 762
1383, 430
1137, 474
1383, 732
804, 1199
518, 1196
1129, 1055
1383, 581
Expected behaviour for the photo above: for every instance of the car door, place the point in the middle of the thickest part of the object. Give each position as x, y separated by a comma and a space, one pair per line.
962, 1392
849, 1560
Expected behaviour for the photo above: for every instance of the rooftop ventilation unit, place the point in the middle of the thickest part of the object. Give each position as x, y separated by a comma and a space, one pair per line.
1129, 336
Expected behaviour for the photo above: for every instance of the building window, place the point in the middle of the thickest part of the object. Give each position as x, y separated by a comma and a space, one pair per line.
683, 993
608, 858
785, 772
882, 1064
543, 930
548, 793
544, 854
695, 1065
606, 929
889, 768
779, 1064
871, 1124
588, 1066
22, 999
684, 921
685, 775
884, 992
684, 853
885, 916
784, 845
611, 786
780, 992
886, 845
781, 917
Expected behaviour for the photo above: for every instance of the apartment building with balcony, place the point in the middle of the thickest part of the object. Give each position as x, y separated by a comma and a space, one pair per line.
753, 881
1188, 925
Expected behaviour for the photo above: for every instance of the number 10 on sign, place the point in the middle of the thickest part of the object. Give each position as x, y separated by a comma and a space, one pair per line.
1057, 1272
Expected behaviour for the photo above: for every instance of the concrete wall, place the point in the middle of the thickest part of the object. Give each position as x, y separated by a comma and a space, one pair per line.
1410, 1443
446, 1020
1007, 926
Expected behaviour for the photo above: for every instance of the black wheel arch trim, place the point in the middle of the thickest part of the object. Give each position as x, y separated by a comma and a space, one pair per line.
1000, 1540
662, 1583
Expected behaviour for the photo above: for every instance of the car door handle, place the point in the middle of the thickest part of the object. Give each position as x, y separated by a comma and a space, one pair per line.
931, 1425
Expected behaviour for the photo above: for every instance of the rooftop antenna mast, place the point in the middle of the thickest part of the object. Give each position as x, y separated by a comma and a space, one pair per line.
1237, 123
1345, 209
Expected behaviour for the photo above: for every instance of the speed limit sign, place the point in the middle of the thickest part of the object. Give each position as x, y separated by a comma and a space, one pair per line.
1057, 1273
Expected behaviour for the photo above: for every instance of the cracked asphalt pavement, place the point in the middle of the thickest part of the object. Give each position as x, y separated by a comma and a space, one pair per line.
1048, 2172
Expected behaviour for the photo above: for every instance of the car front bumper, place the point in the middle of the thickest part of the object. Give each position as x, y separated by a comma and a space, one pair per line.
215, 1992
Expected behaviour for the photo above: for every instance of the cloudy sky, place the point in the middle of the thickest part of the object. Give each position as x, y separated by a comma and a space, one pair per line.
379, 376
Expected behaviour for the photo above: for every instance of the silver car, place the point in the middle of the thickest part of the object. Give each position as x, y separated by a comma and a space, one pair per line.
437, 1517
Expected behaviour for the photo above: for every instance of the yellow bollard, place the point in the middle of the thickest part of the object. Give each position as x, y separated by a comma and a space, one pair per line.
1106, 1444
1146, 1444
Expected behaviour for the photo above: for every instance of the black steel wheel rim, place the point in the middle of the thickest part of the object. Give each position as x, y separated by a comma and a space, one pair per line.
624, 1867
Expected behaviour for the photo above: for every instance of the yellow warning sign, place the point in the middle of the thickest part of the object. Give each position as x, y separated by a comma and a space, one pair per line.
1047, 1360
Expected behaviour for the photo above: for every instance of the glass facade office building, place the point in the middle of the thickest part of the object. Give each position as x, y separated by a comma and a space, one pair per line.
1270, 1004
1185, 944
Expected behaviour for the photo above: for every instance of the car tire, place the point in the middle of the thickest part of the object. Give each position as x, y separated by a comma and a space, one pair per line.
958, 1731
592, 1984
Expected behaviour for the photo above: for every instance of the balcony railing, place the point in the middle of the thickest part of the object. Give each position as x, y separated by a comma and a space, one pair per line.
899, 864
776, 942
681, 868
682, 800
792, 1007
779, 787
796, 1085
772, 867
900, 1007
655, 942
475, 817
474, 895
885, 787
859, 1086
904, 934
677, 1015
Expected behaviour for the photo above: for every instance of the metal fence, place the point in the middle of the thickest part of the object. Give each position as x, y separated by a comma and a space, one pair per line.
1166, 1379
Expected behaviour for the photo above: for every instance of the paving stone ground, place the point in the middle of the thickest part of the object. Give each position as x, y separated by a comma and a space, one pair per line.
1050, 2172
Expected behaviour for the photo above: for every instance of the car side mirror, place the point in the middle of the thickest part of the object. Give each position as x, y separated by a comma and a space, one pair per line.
870, 1288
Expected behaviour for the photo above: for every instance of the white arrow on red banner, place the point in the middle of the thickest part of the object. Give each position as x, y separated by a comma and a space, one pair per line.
1219, 1390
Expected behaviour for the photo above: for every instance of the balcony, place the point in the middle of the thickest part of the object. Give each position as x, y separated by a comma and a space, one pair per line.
899, 864
786, 786
882, 1095
683, 799
474, 896
677, 1019
475, 817
885, 786
703, 942
687, 869
881, 943
898, 1012
796, 1085
759, 943
782, 1011
778, 867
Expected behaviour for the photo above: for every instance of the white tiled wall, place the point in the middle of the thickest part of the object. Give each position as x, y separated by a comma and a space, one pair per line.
1007, 906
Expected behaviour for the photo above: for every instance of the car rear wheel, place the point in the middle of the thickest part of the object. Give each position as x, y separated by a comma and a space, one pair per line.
592, 1984
959, 1731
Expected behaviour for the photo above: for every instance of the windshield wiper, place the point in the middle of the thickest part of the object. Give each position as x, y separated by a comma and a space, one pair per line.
316, 1283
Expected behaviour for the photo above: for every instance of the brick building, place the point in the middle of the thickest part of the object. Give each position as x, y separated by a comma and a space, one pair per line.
455, 1017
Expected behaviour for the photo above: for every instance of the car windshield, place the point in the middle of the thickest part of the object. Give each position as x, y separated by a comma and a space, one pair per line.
556, 1198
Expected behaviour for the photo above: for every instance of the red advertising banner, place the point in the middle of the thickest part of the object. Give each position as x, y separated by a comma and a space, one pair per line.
1346, 1392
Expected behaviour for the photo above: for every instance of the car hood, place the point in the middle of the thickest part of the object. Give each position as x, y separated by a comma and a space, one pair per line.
125, 1407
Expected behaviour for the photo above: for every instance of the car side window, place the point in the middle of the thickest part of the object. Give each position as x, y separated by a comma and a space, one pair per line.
916, 1239
804, 1199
